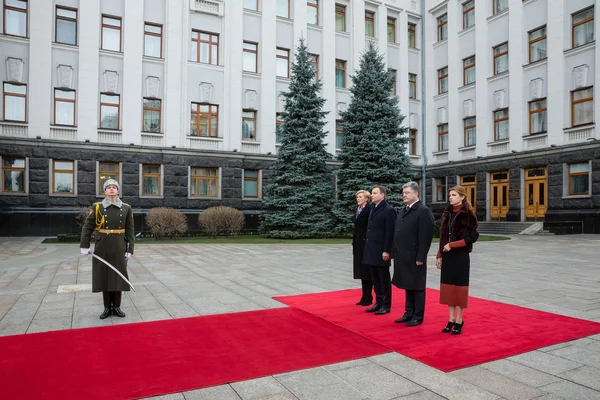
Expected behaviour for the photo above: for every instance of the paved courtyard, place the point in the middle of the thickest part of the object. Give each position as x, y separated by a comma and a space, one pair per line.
555, 274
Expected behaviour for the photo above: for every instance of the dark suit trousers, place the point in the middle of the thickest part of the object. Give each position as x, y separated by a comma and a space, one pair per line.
367, 291
415, 304
382, 284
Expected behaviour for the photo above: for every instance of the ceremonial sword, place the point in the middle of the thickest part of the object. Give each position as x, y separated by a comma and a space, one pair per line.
114, 269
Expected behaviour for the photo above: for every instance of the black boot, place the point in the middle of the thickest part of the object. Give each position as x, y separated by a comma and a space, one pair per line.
448, 327
107, 308
106, 313
458, 328
117, 305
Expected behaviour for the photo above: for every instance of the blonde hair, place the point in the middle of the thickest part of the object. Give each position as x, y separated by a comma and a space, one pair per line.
462, 192
364, 193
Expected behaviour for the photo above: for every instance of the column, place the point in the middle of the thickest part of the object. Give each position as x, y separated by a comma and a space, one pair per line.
231, 110
300, 20
402, 83
327, 72
515, 67
381, 31
132, 66
357, 34
455, 80
268, 83
88, 96
484, 117
558, 86
39, 86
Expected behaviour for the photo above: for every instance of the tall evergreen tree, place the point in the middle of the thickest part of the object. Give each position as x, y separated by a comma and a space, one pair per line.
374, 143
297, 200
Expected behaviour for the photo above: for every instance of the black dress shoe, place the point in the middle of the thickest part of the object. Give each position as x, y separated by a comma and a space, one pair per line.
448, 327
403, 319
364, 303
382, 310
117, 311
414, 322
107, 312
458, 328
376, 307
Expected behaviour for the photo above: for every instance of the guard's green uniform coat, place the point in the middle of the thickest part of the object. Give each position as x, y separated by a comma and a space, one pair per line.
111, 247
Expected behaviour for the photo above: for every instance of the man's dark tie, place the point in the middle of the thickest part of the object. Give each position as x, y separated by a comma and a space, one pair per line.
406, 209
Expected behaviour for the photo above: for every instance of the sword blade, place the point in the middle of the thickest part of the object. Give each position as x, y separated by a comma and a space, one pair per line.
114, 269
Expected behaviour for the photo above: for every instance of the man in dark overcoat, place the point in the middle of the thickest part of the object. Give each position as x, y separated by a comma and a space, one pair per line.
378, 245
412, 239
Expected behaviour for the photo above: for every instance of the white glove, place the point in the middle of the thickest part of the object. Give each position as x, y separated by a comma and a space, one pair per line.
127, 256
85, 251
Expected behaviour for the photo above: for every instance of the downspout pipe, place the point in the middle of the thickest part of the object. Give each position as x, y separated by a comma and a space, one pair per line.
423, 110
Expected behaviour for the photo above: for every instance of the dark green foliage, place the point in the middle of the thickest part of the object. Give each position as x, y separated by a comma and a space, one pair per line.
297, 199
373, 151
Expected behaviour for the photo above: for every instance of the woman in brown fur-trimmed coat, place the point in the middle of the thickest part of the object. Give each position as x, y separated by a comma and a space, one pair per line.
458, 232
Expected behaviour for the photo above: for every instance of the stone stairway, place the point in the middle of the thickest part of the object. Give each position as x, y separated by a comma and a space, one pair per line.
509, 228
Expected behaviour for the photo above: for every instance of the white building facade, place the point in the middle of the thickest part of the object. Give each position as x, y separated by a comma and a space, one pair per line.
178, 100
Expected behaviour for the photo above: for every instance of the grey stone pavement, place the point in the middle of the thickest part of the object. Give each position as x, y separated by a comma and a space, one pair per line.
557, 274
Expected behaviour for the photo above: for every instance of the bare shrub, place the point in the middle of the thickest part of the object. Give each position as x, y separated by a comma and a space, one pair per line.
222, 220
81, 215
166, 222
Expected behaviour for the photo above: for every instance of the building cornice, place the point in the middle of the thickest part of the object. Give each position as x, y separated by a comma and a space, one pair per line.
438, 7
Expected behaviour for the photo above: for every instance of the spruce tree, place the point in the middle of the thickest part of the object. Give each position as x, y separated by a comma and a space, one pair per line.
374, 142
297, 200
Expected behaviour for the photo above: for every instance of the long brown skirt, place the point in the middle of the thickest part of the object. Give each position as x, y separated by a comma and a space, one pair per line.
454, 285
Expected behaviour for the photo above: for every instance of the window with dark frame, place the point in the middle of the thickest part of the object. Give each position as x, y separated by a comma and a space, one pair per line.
582, 106
442, 27
443, 80
537, 116
394, 74
151, 179
64, 107
111, 33
66, 26
440, 190
469, 70
282, 66
250, 57
312, 15
470, 131
251, 5
251, 182
204, 182
582, 31
283, 8
340, 18
391, 30
369, 24
110, 111
537, 45
14, 98
468, 14
501, 124
205, 47
14, 175
412, 36
412, 142
340, 73
63, 177
443, 137
107, 170
412, 86
249, 125
278, 125
339, 134
15, 17
313, 59
499, 5
501, 58
152, 113
152, 40
204, 120
579, 179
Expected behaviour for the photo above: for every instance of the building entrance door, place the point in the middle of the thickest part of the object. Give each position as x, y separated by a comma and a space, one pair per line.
535, 193
469, 182
499, 195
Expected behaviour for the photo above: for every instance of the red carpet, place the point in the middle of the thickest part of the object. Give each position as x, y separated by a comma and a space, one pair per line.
147, 359
492, 330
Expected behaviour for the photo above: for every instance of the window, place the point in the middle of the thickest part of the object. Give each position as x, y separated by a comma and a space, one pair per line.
501, 124
468, 14
582, 106
151, 115
282, 67
63, 177
15, 100
391, 29
106, 171
394, 74
443, 137
110, 111
340, 18
440, 190
15, 17
442, 27
204, 182
251, 5
204, 120
469, 70
339, 134
412, 86
537, 45
283, 8
66, 26
499, 5
500, 58
443, 80
579, 179
111, 33
248, 125
369, 24
313, 59
251, 182
279, 123
14, 175
152, 40
64, 107
412, 142
250, 60
412, 36
340, 73
537, 116
205, 47
151, 180
583, 27
470, 131
312, 16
